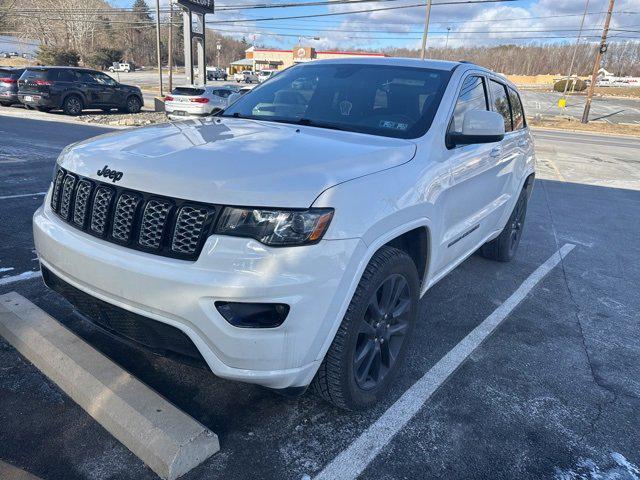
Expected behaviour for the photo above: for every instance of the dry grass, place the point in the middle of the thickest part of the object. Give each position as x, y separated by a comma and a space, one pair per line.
630, 92
560, 123
16, 62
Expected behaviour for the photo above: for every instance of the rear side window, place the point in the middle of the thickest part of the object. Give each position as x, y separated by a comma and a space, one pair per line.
501, 103
67, 76
473, 96
517, 112
189, 91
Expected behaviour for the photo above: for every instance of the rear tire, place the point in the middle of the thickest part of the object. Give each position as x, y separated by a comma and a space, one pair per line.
372, 339
504, 247
72, 105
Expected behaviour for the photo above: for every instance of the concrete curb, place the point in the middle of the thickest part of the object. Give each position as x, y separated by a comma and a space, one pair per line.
169, 441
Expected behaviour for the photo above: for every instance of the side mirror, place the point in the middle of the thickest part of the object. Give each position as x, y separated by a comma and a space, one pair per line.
478, 126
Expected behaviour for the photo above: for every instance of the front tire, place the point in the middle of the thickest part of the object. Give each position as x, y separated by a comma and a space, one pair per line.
372, 339
133, 105
504, 247
73, 105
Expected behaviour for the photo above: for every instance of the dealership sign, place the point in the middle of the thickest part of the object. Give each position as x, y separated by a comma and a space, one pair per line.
198, 6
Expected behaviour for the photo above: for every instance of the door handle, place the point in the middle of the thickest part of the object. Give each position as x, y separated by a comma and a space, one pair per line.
496, 152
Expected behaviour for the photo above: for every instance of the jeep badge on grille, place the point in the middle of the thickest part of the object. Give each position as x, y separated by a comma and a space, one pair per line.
114, 175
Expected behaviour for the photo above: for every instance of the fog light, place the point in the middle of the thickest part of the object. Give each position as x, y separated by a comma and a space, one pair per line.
253, 315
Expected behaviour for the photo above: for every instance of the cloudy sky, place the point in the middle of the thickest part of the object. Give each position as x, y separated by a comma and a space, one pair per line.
520, 21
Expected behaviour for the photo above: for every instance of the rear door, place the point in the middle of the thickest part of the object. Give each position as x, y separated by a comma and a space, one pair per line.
510, 154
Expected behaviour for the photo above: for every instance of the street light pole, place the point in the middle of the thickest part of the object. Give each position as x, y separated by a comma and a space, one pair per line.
158, 45
423, 50
446, 43
596, 65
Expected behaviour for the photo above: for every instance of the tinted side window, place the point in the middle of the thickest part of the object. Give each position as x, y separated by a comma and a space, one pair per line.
517, 111
472, 96
66, 76
501, 103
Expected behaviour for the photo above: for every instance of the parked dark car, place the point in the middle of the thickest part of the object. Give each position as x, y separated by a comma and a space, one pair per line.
9, 85
73, 89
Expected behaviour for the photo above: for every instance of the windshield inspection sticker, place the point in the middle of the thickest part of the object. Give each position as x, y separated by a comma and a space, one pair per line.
393, 125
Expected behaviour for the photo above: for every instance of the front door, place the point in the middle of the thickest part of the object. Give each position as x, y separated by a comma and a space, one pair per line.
473, 198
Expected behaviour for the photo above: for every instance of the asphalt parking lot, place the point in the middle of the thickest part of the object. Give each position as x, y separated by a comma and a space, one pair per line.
554, 392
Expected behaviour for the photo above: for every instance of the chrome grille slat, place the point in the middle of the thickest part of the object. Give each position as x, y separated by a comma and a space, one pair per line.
83, 195
57, 186
68, 184
169, 227
189, 225
124, 215
100, 211
153, 223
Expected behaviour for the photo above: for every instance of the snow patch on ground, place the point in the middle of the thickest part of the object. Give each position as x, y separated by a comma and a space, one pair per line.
588, 469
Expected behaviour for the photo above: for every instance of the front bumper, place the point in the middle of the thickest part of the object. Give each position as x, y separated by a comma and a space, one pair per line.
315, 281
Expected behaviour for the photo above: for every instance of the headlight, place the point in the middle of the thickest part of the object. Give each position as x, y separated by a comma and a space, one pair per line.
276, 227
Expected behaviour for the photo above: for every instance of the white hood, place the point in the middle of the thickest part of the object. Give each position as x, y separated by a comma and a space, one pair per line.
235, 161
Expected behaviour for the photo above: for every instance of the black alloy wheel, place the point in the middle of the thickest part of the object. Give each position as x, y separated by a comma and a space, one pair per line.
73, 105
503, 248
382, 332
372, 339
133, 104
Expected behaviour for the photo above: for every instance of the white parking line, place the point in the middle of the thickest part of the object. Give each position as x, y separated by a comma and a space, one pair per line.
7, 197
19, 278
350, 463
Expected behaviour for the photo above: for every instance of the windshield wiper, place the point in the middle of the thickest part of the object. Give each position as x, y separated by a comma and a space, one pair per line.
312, 123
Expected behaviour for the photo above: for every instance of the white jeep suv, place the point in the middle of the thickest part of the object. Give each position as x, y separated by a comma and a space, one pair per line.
287, 241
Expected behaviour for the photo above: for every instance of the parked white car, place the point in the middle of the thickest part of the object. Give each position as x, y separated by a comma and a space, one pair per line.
246, 76
241, 91
265, 75
196, 101
287, 241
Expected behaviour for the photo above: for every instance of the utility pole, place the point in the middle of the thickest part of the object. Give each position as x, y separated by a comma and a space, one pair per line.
596, 66
423, 50
170, 46
158, 45
218, 48
446, 43
563, 103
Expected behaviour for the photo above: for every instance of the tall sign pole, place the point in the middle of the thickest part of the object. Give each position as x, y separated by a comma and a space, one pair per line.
195, 9
596, 65
423, 50
170, 47
158, 45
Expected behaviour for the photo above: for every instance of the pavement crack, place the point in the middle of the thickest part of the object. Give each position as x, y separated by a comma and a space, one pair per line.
606, 389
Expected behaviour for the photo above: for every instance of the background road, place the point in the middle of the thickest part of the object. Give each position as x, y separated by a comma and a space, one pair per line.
554, 393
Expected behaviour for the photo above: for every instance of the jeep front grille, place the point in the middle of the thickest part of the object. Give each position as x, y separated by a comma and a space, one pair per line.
164, 226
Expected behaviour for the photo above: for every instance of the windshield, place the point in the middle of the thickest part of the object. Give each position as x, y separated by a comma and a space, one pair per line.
376, 99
